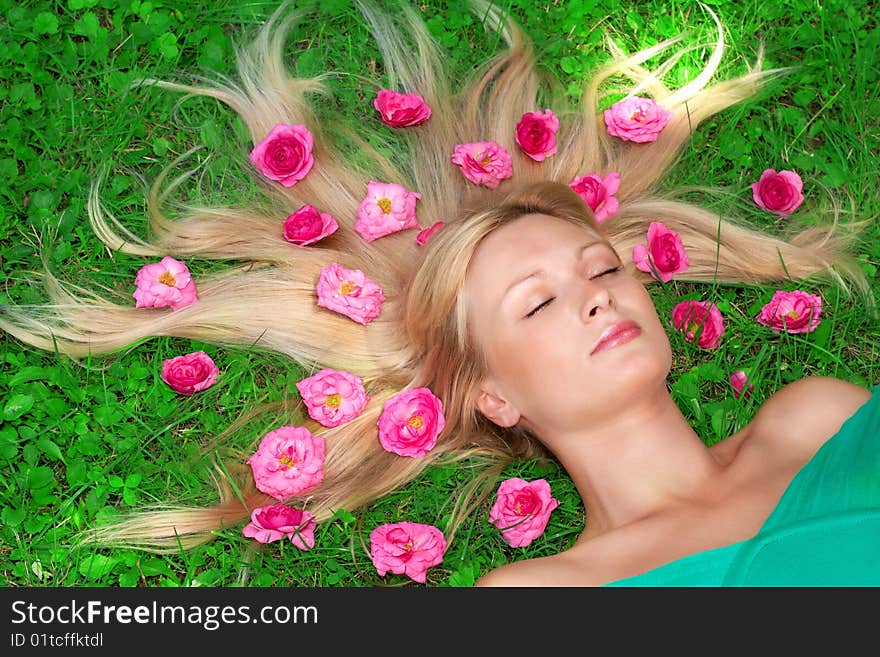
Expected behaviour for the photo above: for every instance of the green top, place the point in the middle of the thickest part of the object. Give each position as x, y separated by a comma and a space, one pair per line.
825, 530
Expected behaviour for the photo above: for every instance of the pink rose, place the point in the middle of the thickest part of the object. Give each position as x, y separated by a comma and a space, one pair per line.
425, 234
401, 110
703, 317
664, 256
164, 283
536, 134
272, 523
410, 422
349, 292
598, 193
190, 373
636, 119
333, 397
484, 163
738, 380
386, 208
285, 154
522, 509
307, 226
289, 461
793, 312
406, 548
778, 192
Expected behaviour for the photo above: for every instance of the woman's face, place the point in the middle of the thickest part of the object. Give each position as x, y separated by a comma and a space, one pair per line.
540, 293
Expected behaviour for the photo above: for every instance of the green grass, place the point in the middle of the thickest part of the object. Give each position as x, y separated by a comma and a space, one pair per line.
82, 441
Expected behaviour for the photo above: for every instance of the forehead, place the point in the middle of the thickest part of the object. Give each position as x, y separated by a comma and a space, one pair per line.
507, 249
513, 250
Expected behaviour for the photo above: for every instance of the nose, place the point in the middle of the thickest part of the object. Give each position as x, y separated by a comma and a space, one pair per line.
595, 299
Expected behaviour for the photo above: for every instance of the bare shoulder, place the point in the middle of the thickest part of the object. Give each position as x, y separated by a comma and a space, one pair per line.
556, 570
512, 574
529, 572
805, 413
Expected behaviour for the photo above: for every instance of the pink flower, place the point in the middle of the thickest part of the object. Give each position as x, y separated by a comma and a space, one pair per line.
410, 422
636, 119
664, 256
386, 208
598, 193
703, 317
793, 312
272, 523
164, 283
778, 192
401, 110
425, 234
190, 373
522, 509
349, 292
285, 154
289, 461
484, 163
406, 548
307, 226
738, 380
333, 397
536, 134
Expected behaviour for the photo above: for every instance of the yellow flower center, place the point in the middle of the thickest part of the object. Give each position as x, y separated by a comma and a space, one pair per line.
792, 314
485, 160
692, 329
384, 205
333, 401
347, 288
287, 461
416, 422
639, 116
168, 279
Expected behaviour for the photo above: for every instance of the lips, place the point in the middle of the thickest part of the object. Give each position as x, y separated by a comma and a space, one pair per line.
617, 334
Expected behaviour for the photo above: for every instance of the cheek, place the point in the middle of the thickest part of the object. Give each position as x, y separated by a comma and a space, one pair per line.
640, 304
519, 357
538, 369
548, 372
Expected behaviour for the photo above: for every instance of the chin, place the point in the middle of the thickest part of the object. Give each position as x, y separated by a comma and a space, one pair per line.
641, 370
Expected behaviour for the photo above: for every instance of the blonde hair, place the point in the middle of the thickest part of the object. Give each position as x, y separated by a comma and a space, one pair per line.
421, 337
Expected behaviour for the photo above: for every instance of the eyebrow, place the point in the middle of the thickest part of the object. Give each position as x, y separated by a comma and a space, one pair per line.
523, 279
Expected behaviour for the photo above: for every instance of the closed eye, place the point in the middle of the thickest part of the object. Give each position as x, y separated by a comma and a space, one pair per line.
536, 310
541, 306
609, 271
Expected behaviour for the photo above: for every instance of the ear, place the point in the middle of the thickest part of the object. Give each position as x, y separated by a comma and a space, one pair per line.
492, 403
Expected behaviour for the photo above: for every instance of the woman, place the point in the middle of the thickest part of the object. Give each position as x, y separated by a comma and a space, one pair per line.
653, 491
444, 322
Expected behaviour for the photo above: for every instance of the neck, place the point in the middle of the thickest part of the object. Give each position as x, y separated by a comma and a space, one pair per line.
637, 463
